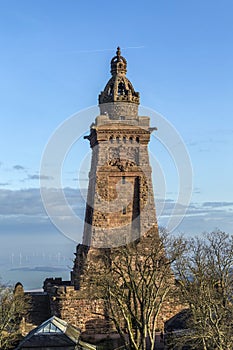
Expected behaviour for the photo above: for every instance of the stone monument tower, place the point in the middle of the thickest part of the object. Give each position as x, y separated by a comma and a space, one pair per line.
120, 203
120, 207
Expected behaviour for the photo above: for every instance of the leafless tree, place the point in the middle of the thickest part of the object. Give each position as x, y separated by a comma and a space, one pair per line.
13, 306
135, 281
206, 283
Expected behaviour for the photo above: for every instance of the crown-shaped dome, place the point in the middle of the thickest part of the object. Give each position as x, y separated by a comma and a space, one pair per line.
118, 63
119, 88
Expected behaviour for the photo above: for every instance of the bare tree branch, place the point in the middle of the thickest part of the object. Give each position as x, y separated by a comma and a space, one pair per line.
206, 285
135, 281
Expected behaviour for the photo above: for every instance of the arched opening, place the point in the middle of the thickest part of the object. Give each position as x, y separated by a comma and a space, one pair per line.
121, 89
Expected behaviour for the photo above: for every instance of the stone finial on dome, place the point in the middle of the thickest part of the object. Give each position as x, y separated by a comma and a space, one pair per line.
119, 88
118, 51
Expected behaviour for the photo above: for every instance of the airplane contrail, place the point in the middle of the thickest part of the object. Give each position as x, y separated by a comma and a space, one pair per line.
72, 52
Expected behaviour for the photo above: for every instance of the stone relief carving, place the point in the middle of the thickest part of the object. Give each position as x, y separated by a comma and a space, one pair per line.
121, 164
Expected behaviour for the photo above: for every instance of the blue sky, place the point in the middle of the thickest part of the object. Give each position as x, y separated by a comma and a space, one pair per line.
55, 59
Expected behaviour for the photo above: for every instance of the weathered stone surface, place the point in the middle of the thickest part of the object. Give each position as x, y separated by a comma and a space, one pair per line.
120, 200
